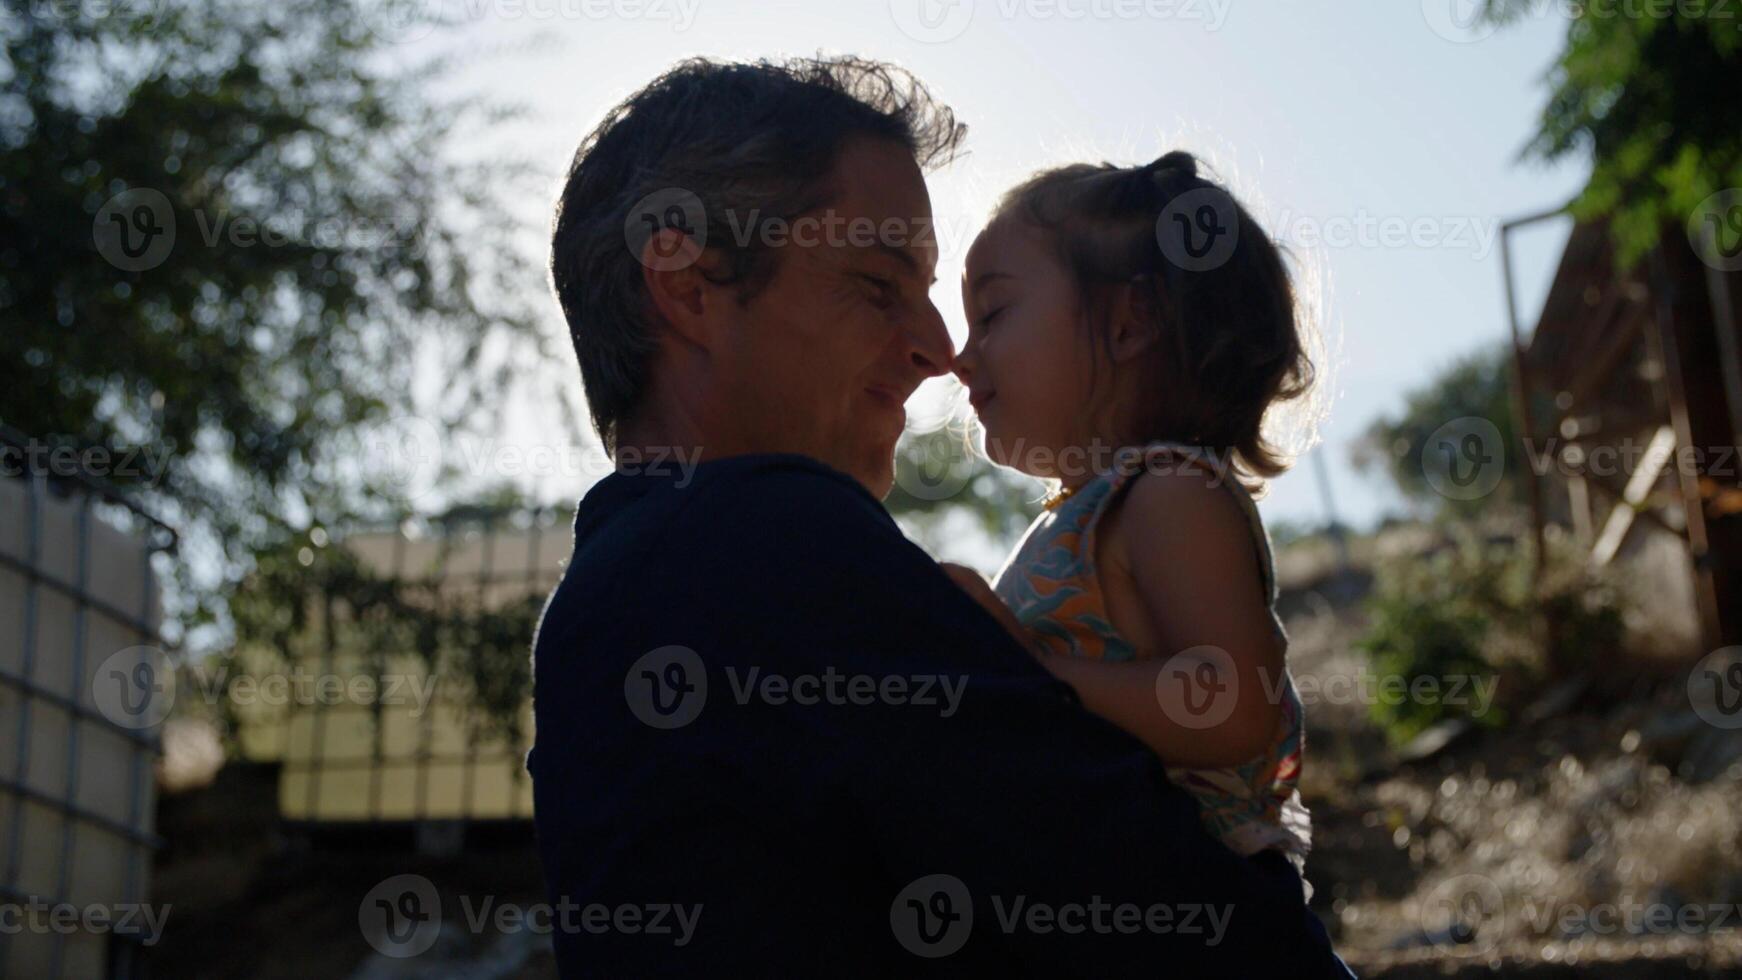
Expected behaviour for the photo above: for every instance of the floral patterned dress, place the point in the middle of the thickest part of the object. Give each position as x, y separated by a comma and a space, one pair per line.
1050, 582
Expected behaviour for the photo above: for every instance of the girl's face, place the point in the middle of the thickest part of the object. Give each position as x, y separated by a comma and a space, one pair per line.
1026, 363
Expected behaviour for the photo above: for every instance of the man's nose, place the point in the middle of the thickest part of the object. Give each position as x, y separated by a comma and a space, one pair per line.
929, 344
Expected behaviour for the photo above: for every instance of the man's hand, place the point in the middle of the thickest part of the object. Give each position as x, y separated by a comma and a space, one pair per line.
978, 589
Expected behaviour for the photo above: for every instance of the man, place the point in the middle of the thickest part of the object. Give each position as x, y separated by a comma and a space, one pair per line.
773, 737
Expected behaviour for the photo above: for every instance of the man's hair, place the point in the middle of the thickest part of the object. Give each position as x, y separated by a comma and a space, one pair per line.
750, 141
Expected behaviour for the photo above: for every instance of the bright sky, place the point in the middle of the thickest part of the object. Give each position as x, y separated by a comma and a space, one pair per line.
1379, 138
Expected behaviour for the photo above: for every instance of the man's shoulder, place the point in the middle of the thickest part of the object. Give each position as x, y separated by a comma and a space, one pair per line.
742, 510
779, 483
753, 502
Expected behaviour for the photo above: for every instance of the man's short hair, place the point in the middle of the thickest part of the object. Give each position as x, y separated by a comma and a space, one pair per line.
745, 139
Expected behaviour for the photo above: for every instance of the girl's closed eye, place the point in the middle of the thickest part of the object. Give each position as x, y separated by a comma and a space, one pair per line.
986, 320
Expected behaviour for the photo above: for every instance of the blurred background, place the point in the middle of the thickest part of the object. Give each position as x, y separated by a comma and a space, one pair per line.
290, 433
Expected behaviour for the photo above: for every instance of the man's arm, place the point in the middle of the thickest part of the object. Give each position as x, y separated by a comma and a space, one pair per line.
970, 761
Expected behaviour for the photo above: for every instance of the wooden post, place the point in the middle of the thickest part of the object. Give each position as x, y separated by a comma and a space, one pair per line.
1693, 349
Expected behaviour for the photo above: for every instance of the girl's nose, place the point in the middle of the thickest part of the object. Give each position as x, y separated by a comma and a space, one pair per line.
962, 367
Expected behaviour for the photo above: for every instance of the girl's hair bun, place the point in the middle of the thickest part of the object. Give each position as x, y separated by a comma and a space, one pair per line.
1173, 164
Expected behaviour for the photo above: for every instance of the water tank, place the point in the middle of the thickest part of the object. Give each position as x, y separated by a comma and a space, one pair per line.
389, 744
84, 685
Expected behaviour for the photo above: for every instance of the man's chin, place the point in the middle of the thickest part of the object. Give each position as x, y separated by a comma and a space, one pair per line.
882, 485
880, 480
875, 471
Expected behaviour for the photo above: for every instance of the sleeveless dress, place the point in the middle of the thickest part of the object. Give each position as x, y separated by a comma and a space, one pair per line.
1050, 583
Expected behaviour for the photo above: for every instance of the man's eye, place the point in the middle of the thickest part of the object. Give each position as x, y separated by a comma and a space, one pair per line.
883, 291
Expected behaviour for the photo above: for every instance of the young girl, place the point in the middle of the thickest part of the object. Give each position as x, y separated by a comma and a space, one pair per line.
1128, 330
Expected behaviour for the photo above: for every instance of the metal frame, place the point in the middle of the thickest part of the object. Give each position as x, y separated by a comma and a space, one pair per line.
161, 539
1521, 387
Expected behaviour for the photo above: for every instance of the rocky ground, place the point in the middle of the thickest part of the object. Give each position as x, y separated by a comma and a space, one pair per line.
1595, 834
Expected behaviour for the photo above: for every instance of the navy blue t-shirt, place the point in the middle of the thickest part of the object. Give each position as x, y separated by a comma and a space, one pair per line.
775, 740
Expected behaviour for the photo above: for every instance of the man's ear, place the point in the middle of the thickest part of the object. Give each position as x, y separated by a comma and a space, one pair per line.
678, 275
1136, 325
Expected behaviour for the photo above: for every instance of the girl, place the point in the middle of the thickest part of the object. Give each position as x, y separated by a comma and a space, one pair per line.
1128, 330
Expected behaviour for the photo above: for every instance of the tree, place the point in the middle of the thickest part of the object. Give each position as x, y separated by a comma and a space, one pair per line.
1473, 391
938, 475
1640, 89
231, 231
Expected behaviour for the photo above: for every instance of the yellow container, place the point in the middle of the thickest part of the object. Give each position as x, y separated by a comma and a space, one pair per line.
400, 746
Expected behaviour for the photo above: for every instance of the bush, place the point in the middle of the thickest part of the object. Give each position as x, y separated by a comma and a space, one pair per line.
1469, 610
1428, 622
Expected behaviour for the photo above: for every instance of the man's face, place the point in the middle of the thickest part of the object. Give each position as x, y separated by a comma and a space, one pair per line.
822, 359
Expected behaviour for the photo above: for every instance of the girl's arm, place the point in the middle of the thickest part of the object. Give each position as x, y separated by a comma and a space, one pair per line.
1212, 697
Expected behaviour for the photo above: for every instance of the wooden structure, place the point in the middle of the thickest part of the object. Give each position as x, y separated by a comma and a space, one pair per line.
1629, 388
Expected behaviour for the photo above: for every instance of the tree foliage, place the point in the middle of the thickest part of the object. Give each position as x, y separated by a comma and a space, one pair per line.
234, 232
939, 476
1478, 386
1646, 90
